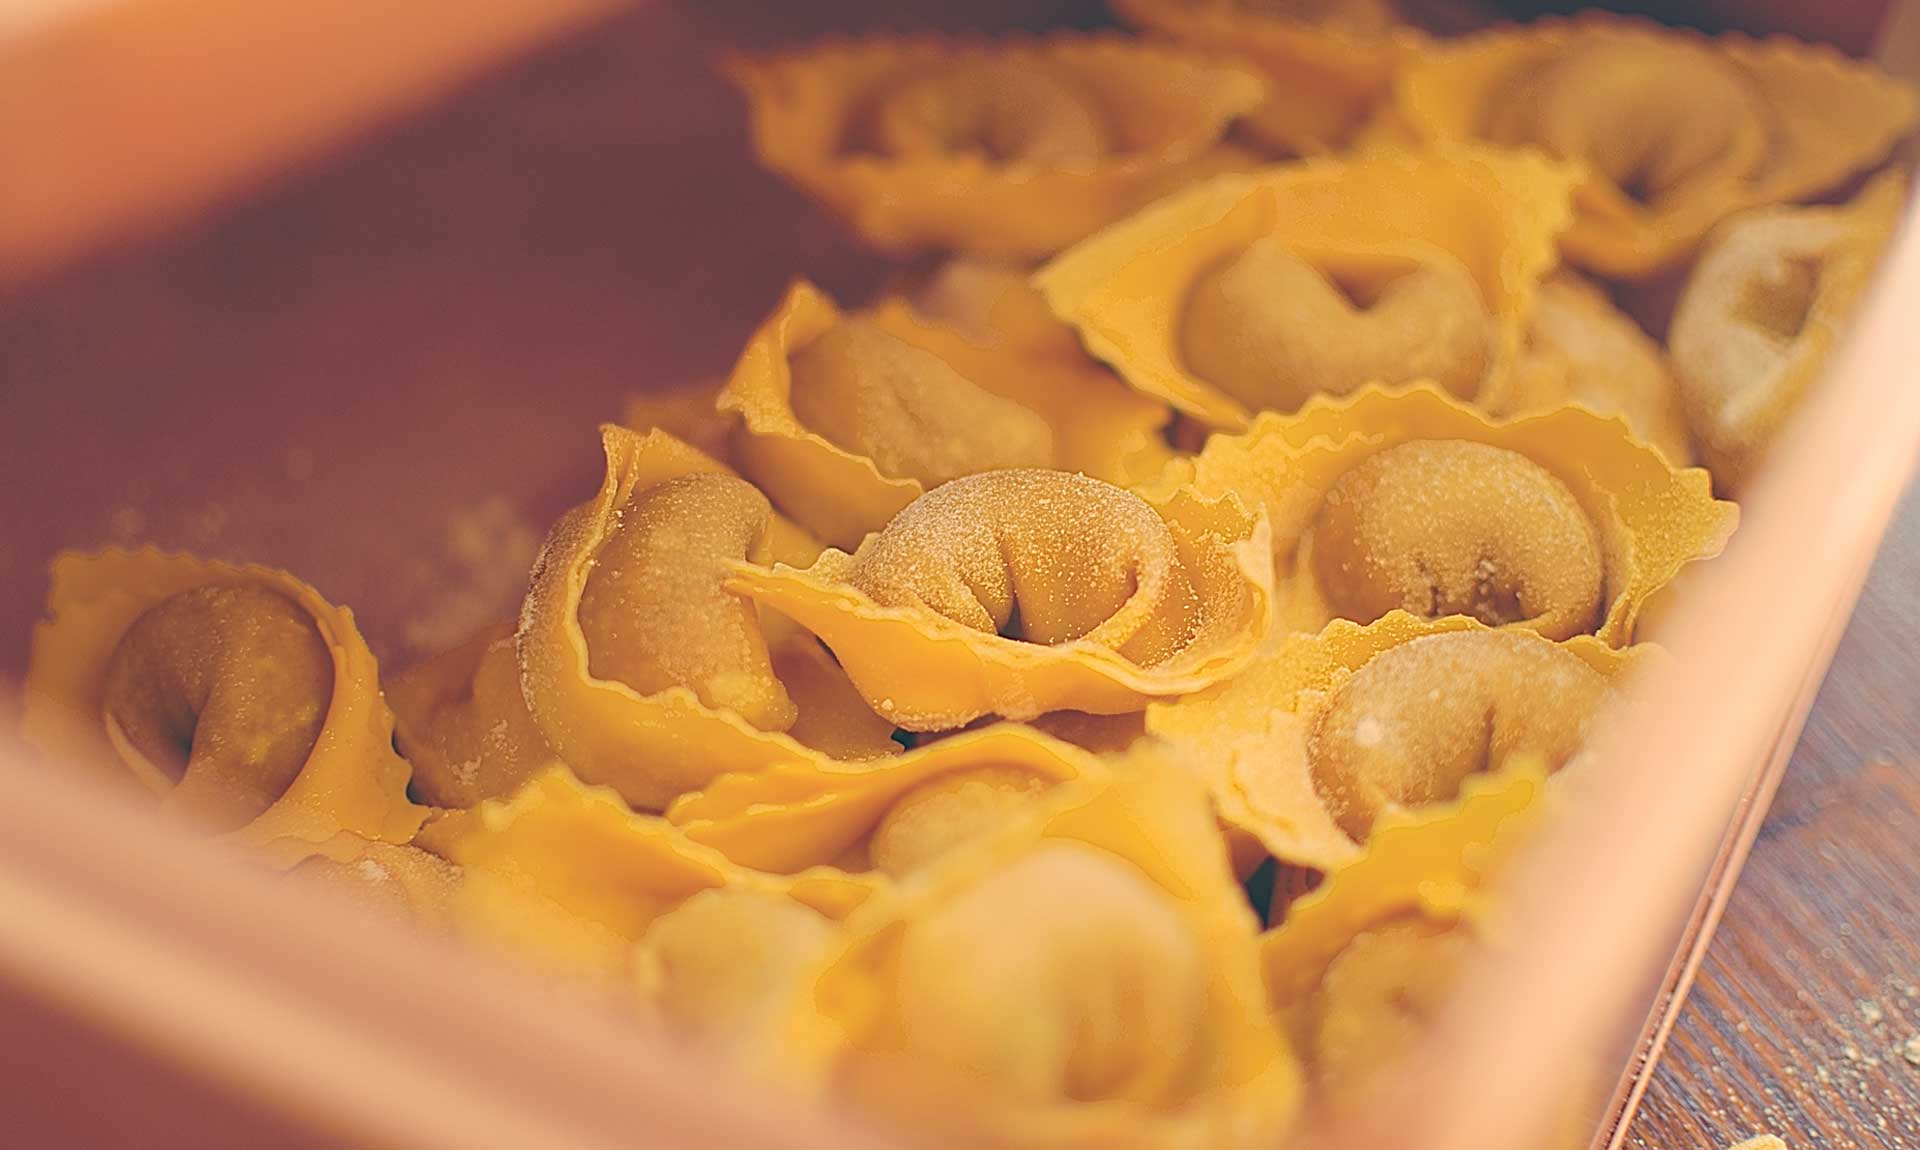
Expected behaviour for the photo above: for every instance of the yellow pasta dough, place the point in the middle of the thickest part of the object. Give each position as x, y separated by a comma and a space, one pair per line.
1306, 748
242, 698
1762, 310
1559, 521
641, 670
1101, 602
1082, 976
725, 964
1359, 964
687, 411
1016, 148
1327, 64
1677, 131
847, 419
461, 719
1415, 721
571, 876
1580, 349
808, 814
1257, 292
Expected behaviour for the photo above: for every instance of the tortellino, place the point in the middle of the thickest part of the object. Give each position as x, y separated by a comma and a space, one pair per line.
1018, 148
1556, 521
844, 420
640, 668
1676, 131
1015, 593
1311, 745
1581, 349
726, 964
461, 720
1761, 312
1328, 63
1259, 292
1082, 976
1416, 720
1357, 967
242, 698
877, 815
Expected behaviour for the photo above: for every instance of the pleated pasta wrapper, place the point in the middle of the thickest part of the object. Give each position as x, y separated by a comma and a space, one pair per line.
252, 653
686, 411
791, 817
1581, 349
1252, 739
1559, 521
1087, 977
676, 625
1360, 963
1110, 600
570, 876
915, 403
1013, 148
1240, 295
1678, 131
1762, 311
1328, 68
461, 719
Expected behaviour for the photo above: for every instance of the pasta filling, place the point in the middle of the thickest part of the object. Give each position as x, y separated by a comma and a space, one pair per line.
1007, 113
1044, 557
1412, 724
1270, 329
1453, 527
220, 692
875, 395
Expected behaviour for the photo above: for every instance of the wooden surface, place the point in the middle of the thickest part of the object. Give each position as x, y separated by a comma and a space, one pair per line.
1812, 986
434, 321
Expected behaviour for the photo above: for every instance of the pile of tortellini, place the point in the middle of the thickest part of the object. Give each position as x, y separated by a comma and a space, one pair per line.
1081, 697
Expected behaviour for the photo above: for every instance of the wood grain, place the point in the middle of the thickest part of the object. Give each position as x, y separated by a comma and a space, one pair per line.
1812, 986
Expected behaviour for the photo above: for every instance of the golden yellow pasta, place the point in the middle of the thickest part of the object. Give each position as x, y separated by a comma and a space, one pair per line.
571, 876
1122, 1013
641, 670
1409, 499
1017, 148
726, 964
1416, 720
788, 818
242, 698
461, 719
1016, 593
1305, 748
1677, 131
1581, 349
847, 419
1761, 312
1440, 527
1358, 965
687, 411
1257, 292
1328, 63
833, 718
1375, 998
